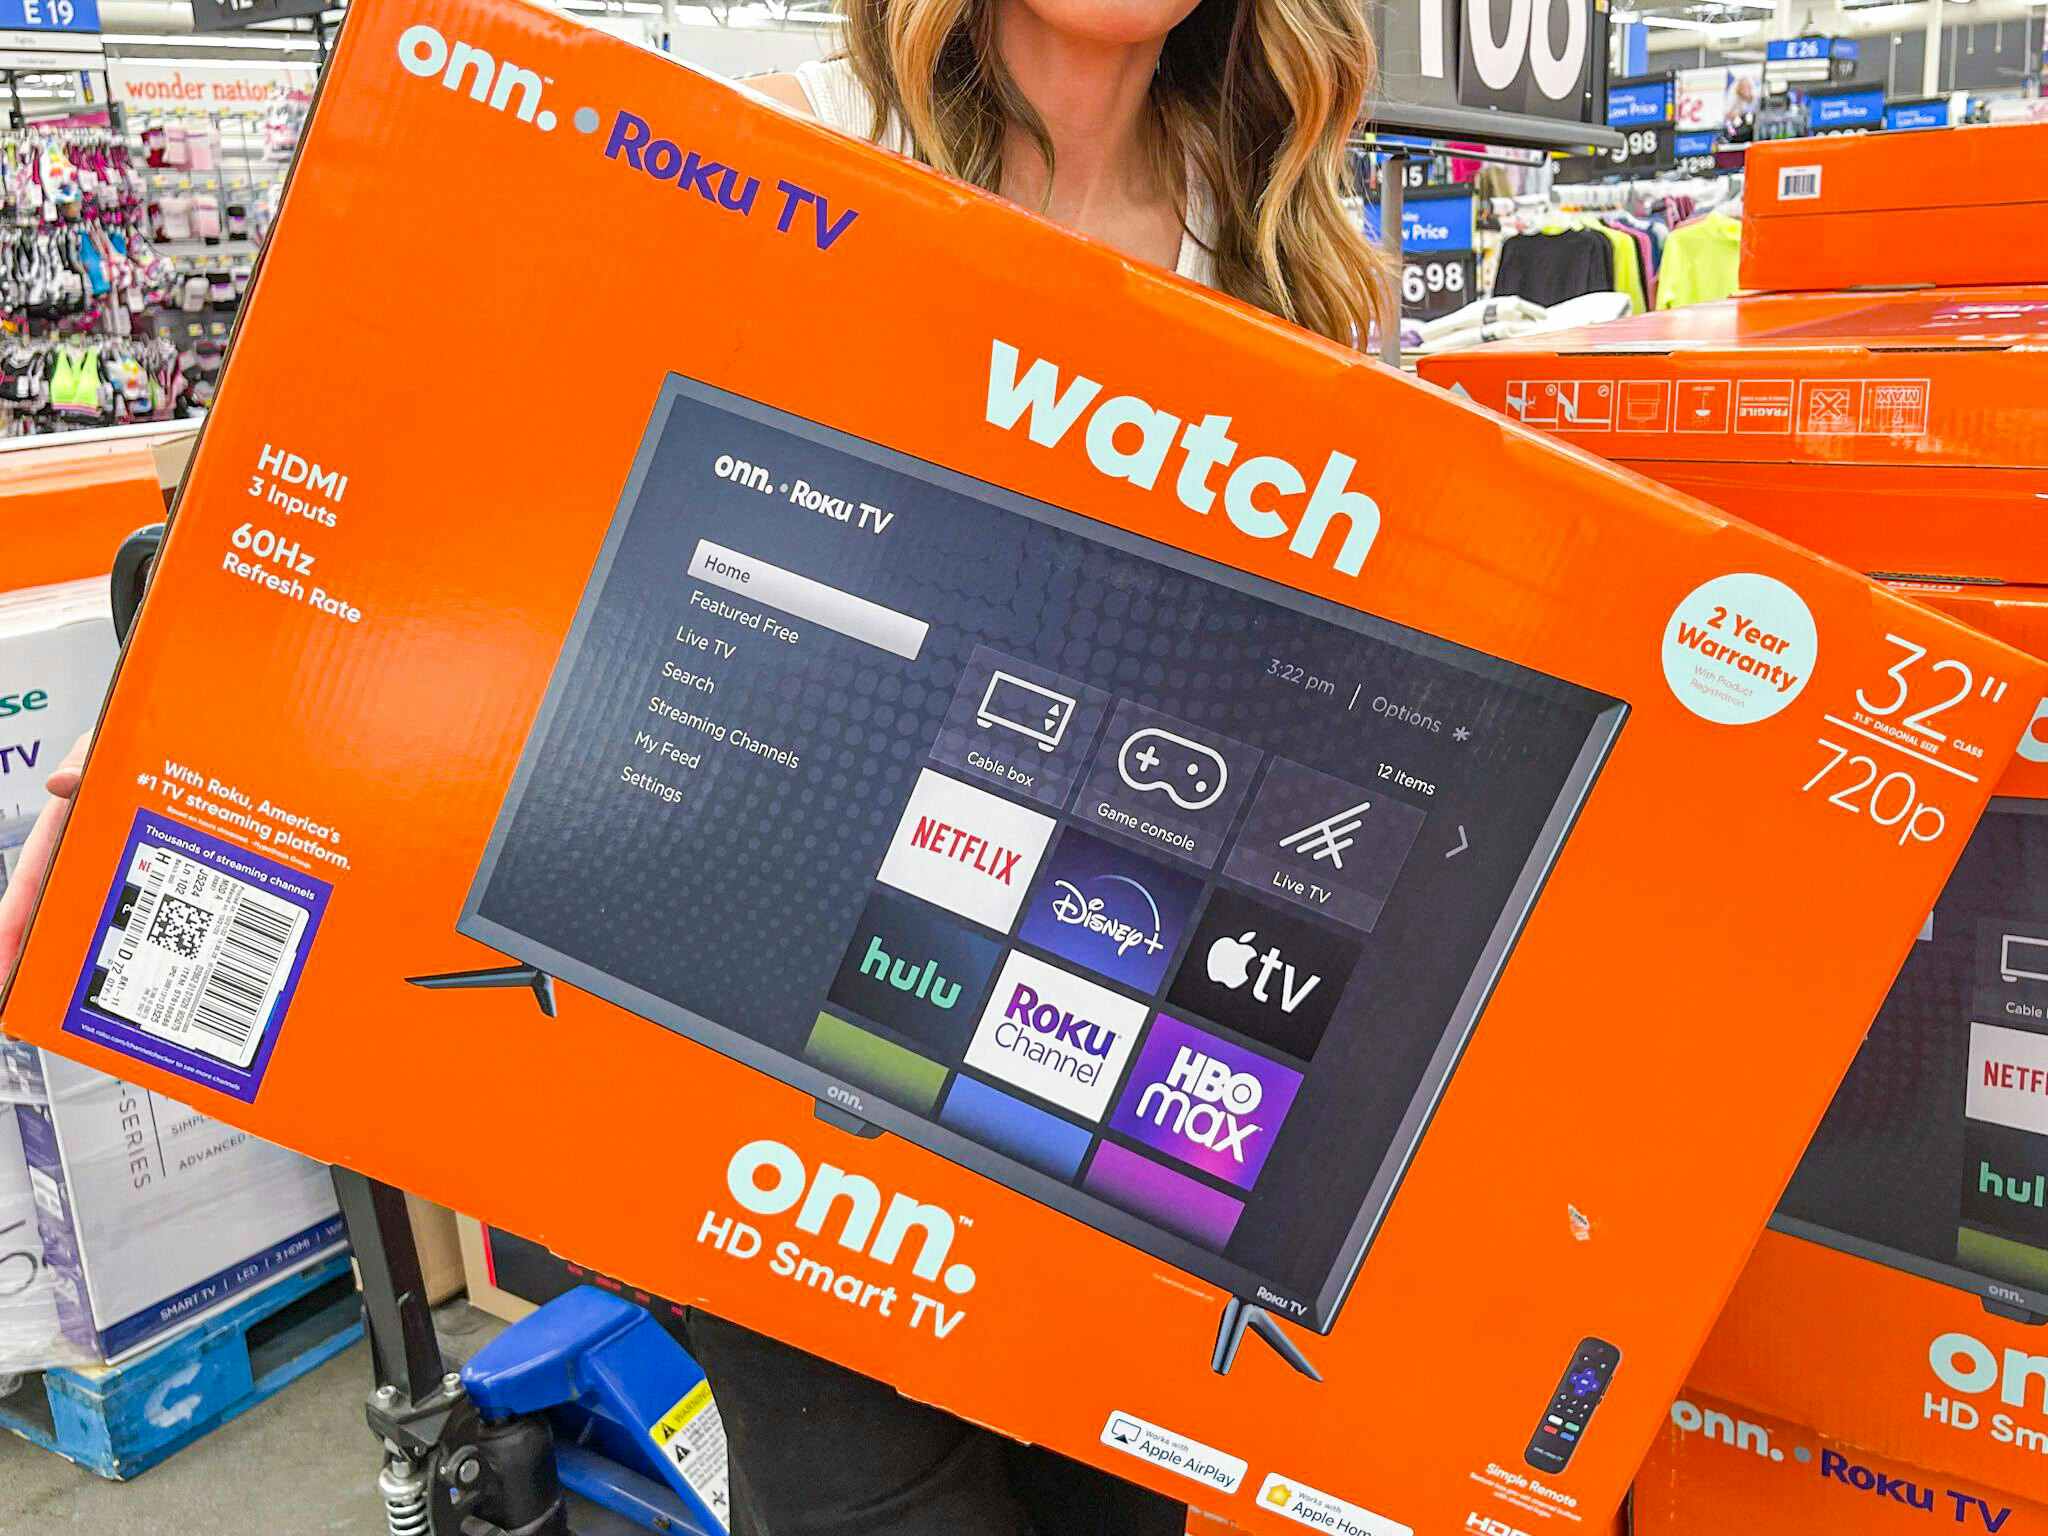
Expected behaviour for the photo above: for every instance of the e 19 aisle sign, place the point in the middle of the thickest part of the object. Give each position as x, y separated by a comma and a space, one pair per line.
1542, 58
49, 15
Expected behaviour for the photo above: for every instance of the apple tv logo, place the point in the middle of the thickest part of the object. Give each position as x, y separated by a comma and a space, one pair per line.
1264, 972
1229, 964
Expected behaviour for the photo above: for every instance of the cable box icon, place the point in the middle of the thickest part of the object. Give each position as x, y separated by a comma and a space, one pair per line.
1026, 708
2022, 957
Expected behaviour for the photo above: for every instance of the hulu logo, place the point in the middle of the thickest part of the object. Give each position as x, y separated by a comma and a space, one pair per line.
2019, 1189
921, 981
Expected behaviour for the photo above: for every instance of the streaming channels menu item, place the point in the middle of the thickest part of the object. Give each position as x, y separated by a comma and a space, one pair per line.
1055, 1035
1331, 847
1166, 785
1271, 976
1161, 1196
1110, 910
910, 969
1019, 727
963, 849
1204, 1101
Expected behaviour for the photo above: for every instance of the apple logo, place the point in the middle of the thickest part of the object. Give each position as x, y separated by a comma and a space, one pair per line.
1230, 960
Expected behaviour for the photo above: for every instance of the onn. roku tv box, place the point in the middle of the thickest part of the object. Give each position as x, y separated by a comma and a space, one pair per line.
990, 812
1883, 1357
1902, 433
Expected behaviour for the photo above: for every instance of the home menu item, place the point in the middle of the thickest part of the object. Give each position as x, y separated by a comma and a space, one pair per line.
1163, 894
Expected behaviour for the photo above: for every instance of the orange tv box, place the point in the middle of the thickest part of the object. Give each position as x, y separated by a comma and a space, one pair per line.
986, 811
1949, 207
1904, 434
1885, 1355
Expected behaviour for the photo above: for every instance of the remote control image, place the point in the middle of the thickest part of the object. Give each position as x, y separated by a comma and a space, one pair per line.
1564, 1422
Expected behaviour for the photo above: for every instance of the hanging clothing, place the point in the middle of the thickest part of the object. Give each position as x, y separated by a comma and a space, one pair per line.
1629, 276
1550, 267
1701, 262
1646, 253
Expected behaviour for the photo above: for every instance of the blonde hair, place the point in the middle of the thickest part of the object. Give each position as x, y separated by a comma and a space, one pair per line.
1258, 97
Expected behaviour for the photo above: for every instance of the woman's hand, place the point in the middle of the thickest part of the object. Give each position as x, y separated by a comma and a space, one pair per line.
26, 883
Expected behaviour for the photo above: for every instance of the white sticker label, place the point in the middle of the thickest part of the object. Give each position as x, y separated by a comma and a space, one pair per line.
691, 1436
1133, 1436
1798, 183
200, 957
1739, 648
1290, 1500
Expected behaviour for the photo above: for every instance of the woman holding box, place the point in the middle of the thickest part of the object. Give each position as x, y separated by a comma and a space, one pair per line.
1206, 136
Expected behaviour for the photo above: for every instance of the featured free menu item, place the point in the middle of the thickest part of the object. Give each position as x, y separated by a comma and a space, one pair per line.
1158, 892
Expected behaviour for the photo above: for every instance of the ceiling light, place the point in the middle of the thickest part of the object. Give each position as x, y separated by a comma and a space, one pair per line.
1694, 24
276, 43
158, 61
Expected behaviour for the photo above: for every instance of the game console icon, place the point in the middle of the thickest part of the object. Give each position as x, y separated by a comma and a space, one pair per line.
1191, 775
2034, 739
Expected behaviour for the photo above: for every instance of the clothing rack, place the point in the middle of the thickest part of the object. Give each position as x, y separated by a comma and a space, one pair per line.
65, 384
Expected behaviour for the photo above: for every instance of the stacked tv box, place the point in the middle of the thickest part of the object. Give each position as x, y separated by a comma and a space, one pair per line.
124, 1216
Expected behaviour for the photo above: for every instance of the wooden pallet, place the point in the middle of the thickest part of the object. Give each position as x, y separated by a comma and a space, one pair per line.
121, 1420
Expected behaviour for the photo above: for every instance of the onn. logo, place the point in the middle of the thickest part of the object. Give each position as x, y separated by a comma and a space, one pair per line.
769, 1179
498, 84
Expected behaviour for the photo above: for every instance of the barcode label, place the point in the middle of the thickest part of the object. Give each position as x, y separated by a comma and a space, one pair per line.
198, 957
240, 987
1798, 181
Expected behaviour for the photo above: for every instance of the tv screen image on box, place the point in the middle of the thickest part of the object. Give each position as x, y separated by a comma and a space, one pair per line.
1933, 1156
1163, 894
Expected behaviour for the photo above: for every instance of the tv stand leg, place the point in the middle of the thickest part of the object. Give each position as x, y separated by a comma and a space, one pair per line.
539, 982
1239, 1315
846, 1120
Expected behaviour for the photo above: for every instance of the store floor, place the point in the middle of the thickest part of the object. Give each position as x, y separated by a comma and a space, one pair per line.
302, 1464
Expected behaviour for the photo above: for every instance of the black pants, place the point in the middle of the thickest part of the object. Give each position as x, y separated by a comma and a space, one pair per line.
820, 1451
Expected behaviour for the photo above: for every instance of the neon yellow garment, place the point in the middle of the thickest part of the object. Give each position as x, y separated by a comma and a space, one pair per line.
1628, 267
1700, 262
75, 381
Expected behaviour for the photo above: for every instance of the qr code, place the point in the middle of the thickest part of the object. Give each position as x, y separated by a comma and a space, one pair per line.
180, 927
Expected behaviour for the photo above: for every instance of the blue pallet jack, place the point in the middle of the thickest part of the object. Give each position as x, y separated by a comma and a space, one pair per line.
584, 1419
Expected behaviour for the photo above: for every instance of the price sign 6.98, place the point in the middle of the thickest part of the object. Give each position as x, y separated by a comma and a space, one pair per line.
1433, 286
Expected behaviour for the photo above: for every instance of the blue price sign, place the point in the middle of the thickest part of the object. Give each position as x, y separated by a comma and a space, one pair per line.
1630, 106
1430, 224
1691, 146
1916, 114
1851, 109
50, 15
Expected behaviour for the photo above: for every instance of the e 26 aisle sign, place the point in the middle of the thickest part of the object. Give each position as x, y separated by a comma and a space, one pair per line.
1539, 58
